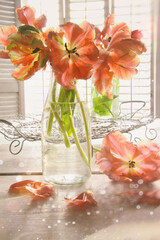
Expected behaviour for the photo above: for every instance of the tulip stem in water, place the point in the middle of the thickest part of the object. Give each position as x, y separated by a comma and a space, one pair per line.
85, 124
53, 113
82, 153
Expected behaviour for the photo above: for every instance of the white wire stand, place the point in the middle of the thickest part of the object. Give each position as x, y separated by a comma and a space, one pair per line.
19, 131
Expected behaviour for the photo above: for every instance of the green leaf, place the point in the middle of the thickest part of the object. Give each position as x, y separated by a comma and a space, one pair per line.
52, 34
102, 105
43, 58
66, 121
15, 37
70, 95
37, 43
10, 46
27, 28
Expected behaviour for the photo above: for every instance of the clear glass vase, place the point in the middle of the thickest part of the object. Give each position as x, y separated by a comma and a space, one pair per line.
102, 106
66, 142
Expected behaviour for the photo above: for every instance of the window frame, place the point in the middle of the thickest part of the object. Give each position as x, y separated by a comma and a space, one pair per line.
21, 98
15, 87
156, 60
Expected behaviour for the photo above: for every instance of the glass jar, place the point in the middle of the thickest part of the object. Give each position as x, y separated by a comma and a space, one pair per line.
66, 141
102, 106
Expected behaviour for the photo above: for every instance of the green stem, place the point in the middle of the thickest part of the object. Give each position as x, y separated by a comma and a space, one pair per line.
110, 111
53, 112
96, 149
85, 124
61, 125
50, 119
50, 122
82, 153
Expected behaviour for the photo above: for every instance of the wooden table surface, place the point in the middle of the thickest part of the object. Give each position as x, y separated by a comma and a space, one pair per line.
113, 218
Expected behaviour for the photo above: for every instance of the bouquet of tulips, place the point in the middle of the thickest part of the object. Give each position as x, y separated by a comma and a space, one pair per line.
75, 53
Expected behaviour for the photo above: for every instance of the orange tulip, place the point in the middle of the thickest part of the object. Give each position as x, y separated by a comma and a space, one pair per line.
37, 190
124, 161
122, 50
28, 52
25, 46
72, 53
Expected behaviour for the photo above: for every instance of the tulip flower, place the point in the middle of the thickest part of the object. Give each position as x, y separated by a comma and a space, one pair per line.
120, 57
72, 53
124, 161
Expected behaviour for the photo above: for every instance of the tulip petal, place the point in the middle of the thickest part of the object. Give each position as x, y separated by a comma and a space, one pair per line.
102, 161
102, 75
103, 81
87, 35
145, 197
118, 144
82, 201
108, 22
136, 34
123, 64
81, 69
25, 72
37, 190
65, 79
127, 45
19, 57
5, 32
26, 15
4, 54
117, 37
149, 147
19, 187
40, 22
72, 32
118, 28
88, 52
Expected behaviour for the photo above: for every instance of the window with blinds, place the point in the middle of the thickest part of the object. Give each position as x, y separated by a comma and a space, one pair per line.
138, 15
10, 90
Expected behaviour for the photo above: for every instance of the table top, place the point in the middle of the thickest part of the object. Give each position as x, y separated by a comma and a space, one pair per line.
114, 218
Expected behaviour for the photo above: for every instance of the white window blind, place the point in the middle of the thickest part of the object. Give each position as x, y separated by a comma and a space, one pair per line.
10, 90
138, 15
